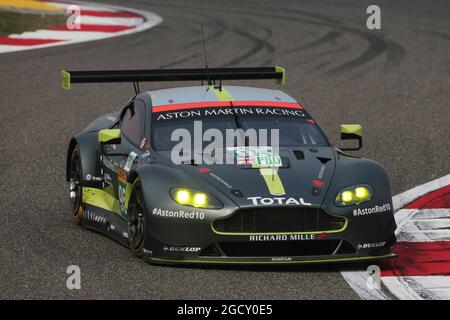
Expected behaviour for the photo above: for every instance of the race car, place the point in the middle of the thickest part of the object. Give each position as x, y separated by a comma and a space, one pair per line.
158, 177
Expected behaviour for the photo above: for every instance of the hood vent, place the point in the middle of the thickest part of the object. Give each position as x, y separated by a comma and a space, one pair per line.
299, 155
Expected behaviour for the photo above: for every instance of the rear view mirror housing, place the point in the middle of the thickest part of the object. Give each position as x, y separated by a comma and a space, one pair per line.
351, 132
109, 136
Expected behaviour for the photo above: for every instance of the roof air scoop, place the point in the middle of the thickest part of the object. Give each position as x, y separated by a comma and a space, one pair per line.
323, 160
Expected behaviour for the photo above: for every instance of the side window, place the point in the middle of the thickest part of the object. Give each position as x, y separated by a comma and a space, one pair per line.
133, 122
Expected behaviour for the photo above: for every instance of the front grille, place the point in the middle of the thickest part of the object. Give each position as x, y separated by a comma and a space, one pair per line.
280, 248
266, 220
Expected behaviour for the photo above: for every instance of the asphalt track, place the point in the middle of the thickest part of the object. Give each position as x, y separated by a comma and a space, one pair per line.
394, 81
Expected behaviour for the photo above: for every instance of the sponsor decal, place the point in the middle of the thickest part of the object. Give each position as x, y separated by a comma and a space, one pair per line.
203, 170
275, 259
181, 249
90, 177
144, 144
260, 157
317, 186
108, 179
371, 245
94, 217
234, 141
109, 164
194, 215
318, 183
230, 111
146, 154
148, 252
122, 175
130, 160
376, 209
283, 237
278, 200
122, 194
112, 227
226, 184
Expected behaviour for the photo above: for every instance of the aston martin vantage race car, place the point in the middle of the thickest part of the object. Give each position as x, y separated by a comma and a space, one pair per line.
135, 176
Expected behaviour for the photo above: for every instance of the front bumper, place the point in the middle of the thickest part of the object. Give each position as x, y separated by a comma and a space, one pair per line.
195, 241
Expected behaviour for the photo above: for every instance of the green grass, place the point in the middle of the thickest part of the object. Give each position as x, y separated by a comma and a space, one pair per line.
15, 22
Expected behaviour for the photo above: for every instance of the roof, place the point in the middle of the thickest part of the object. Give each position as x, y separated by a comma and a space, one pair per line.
209, 94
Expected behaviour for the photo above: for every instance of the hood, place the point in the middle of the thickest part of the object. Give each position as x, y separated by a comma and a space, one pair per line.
302, 179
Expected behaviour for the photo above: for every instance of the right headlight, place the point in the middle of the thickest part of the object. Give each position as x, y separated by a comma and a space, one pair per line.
354, 195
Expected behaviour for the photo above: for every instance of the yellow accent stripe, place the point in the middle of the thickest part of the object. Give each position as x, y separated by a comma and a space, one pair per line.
273, 181
29, 4
270, 175
221, 93
212, 261
101, 199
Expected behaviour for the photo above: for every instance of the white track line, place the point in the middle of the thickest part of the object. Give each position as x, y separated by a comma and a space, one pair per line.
111, 21
60, 35
419, 287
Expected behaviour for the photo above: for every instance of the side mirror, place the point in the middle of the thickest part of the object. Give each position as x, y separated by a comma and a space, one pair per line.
109, 136
351, 132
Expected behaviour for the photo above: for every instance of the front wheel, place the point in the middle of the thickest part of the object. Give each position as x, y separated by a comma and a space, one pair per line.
136, 220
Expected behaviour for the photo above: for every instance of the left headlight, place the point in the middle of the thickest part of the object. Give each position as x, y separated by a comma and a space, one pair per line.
195, 198
354, 195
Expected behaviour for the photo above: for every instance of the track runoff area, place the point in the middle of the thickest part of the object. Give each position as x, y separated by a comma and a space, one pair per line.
421, 271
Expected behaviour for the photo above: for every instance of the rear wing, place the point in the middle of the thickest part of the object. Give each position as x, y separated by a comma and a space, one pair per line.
209, 75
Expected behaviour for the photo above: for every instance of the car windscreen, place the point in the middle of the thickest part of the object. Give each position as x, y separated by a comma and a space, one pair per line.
295, 126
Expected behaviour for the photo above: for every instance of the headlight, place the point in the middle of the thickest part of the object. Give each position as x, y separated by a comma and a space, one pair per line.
195, 198
354, 195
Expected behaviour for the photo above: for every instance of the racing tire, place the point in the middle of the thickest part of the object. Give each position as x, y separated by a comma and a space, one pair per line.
136, 220
75, 190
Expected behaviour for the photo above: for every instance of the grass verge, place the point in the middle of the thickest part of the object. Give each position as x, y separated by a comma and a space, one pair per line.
16, 22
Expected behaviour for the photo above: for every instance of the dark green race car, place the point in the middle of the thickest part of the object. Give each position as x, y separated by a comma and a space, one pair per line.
303, 201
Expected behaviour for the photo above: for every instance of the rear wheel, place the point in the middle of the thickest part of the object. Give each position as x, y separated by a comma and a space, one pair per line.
136, 220
75, 191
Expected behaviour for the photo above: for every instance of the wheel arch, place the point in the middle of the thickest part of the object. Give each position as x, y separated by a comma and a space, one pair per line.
88, 146
72, 145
